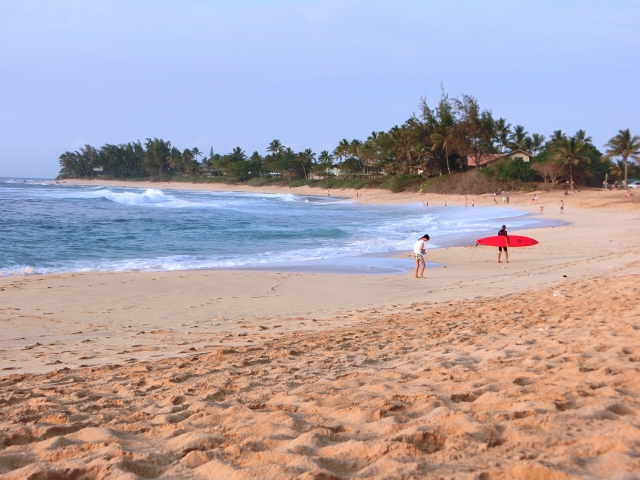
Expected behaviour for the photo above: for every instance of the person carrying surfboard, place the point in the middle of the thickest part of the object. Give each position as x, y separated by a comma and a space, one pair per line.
503, 232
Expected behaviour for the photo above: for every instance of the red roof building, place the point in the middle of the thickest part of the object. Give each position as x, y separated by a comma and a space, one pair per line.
491, 158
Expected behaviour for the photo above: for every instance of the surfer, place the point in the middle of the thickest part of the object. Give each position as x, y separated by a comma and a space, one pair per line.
503, 232
418, 255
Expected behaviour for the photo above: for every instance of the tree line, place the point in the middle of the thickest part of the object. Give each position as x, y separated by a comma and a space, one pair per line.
436, 141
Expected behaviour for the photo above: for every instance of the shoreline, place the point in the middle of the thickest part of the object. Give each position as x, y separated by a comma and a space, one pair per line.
68, 309
587, 198
523, 370
344, 263
379, 263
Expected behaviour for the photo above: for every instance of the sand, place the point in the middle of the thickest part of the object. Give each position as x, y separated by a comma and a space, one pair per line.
484, 370
587, 198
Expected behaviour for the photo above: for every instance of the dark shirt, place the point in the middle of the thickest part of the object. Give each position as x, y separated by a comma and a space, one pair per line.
502, 232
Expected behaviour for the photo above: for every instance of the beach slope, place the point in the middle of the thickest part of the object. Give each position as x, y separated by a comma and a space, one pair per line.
537, 385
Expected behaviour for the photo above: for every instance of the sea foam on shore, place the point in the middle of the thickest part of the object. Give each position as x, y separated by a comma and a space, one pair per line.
52, 228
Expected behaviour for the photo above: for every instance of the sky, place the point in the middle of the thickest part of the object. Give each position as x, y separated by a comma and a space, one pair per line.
222, 74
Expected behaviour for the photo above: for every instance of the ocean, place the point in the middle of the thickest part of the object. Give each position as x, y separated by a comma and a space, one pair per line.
53, 228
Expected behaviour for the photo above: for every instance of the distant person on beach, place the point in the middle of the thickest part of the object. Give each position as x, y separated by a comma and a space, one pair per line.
561, 207
328, 194
503, 232
541, 208
418, 255
473, 203
465, 201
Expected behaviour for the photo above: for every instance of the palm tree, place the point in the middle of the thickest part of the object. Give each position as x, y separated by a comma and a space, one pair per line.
403, 146
503, 132
175, 159
392, 168
625, 146
443, 140
367, 152
354, 148
288, 161
534, 143
196, 153
516, 139
571, 151
275, 148
342, 150
238, 154
324, 162
557, 138
305, 158
537, 142
617, 168
582, 136
325, 157
424, 155
374, 136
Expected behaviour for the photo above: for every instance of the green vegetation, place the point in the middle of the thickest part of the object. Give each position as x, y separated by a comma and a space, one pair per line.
511, 169
625, 146
437, 150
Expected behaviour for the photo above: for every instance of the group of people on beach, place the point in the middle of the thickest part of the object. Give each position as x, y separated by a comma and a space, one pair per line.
419, 251
419, 247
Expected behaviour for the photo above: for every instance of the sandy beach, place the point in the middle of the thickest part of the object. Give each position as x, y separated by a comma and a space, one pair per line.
483, 370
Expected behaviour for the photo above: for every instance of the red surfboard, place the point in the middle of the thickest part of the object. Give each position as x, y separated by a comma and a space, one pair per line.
501, 241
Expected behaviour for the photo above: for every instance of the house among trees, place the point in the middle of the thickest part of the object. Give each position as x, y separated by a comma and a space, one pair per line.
489, 159
445, 140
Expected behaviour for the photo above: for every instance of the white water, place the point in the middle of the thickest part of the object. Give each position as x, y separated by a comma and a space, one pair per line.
56, 228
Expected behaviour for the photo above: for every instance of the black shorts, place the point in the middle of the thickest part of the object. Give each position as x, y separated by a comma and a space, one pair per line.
502, 248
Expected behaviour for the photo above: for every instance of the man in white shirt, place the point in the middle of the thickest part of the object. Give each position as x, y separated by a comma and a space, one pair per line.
418, 252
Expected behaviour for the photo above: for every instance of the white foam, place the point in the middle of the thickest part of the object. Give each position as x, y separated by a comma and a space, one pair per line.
357, 229
150, 197
18, 272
